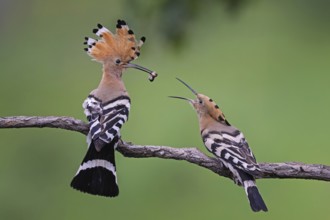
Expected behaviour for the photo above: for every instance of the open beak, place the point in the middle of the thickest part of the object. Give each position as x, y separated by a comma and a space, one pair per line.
191, 89
178, 97
152, 74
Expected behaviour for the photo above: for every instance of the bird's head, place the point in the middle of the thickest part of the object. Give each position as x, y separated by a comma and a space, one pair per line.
204, 105
116, 51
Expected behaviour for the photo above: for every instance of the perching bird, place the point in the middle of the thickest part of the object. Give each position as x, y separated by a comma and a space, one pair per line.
107, 108
229, 145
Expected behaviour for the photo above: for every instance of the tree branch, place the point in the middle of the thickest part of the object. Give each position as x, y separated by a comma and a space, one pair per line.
269, 170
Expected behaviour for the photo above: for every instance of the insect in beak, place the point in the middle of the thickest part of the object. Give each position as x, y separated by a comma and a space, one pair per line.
152, 74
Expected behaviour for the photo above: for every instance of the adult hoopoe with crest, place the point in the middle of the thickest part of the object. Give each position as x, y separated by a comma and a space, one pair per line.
107, 108
228, 144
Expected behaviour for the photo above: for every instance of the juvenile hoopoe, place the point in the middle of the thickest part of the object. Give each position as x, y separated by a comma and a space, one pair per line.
107, 108
228, 144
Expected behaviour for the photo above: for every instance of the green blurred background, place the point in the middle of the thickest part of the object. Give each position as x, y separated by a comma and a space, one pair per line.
266, 64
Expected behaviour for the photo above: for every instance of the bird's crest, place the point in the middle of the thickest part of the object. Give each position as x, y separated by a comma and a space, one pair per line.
204, 104
120, 47
213, 109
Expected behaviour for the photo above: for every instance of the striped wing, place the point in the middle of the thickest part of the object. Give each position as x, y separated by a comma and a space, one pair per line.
106, 119
232, 148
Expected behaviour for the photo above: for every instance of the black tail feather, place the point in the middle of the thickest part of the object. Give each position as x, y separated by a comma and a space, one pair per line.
256, 202
97, 172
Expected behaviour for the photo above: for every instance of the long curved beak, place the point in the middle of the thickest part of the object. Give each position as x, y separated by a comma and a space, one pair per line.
178, 97
152, 74
191, 89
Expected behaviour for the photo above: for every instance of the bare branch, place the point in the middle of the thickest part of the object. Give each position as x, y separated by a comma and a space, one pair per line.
269, 170
67, 123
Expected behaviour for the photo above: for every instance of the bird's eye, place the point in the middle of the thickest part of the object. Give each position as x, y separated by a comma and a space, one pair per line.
118, 61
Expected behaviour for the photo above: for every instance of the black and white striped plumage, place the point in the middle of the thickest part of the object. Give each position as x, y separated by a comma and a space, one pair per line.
232, 149
228, 144
97, 172
107, 107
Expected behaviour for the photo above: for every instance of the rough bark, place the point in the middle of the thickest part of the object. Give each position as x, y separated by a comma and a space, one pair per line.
295, 170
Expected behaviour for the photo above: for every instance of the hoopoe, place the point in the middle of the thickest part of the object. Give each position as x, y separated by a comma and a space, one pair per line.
228, 144
107, 108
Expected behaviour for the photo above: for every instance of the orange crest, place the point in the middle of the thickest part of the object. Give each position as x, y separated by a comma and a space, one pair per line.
120, 48
213, 109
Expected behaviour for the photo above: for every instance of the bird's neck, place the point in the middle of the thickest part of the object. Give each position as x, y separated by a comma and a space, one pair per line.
205, 121
111, 85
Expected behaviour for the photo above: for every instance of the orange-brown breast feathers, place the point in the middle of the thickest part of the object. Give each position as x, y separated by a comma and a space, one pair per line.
110, 47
